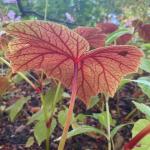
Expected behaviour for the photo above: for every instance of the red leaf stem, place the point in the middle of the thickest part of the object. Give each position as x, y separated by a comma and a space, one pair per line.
132, 143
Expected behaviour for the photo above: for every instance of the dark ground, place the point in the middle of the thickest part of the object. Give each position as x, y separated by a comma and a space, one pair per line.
13, 136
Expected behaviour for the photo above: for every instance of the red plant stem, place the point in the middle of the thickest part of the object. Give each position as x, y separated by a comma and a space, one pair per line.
70, 111
137, 138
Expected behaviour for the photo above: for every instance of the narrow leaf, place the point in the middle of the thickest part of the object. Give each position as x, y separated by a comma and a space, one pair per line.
15, 108
84, 129
143, 108
115, 35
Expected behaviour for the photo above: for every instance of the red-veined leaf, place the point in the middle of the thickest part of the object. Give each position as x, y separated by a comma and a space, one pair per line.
57, 49
93, 35
143, 29
144, 32
107, 27
124, 39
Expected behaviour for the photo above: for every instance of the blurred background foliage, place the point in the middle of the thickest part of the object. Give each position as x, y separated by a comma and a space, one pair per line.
79, 12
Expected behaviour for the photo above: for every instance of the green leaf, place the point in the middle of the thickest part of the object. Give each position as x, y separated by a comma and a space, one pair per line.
93, 101
29, 142
143, 108
146, 46
83, 129
40, 131
113, 36
53, 125
82, 117
15, 108
123, 82
145, 64
50, 94
36, 117
62, 115
17, 78
144, 84
145, 142
102, 118
117, 128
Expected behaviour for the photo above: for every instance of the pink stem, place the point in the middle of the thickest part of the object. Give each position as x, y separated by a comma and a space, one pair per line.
70, 111
137, 138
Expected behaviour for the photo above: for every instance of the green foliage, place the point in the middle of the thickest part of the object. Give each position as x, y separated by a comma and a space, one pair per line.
62, 116
93, 101
36, 117
113, 36
143, 108
17, 107
85, 129
40, 130
30, 142
50, 97
145, 64
138, 126
102, 118
144, 84
117, 128
122, 83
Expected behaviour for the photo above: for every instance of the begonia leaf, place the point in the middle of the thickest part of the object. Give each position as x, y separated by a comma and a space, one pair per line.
58, 51
142, 29
93, 35
107, 27
124, 39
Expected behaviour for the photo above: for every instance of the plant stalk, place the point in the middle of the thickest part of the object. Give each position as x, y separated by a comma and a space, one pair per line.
133, 142
46, 8
55, 99
108, 122
70, 111
46, 119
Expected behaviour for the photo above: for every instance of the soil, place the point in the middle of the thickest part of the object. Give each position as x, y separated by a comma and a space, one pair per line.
14, 135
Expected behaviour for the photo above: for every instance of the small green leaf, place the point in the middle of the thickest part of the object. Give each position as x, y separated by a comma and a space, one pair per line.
50, 94
81, 117
117, 128
123, 82
17, 78
62, 115
93, 101
143, 108
40, 131
113, 36
83, 129
144, 84
15, 108
145, 142
102, 118
145, 64
53, 125
36, 117
29, 142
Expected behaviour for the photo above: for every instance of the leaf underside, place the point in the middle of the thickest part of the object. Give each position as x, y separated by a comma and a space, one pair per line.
107, 27
144, 32
124, 39
93, 35
55, 49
